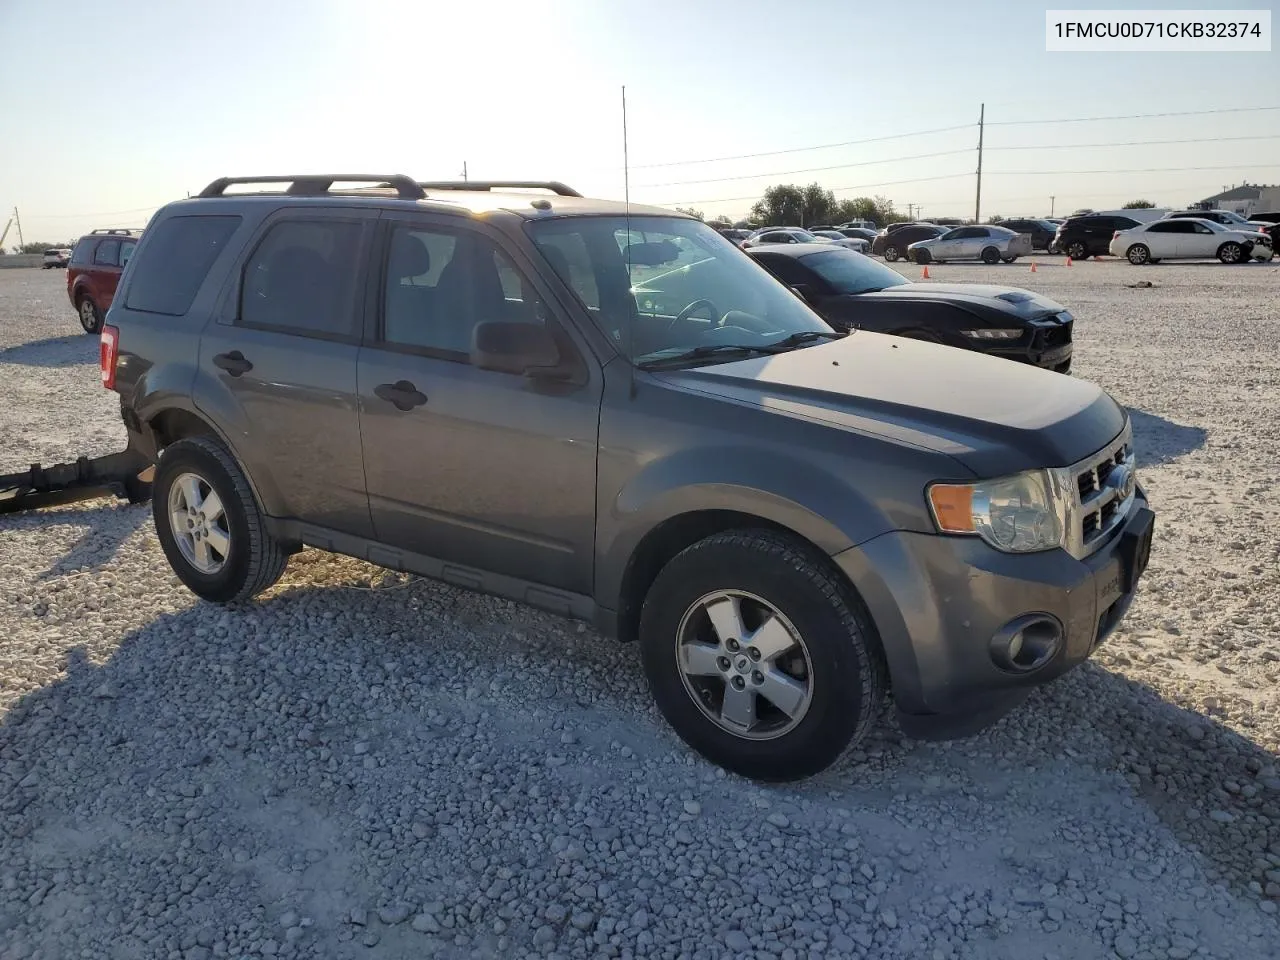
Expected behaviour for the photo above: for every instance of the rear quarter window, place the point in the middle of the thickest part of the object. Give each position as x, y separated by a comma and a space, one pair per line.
175, 260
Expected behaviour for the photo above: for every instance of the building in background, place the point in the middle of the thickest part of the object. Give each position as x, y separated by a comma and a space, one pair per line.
1245, 199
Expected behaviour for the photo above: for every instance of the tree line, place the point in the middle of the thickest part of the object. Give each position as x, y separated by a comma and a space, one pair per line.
787, 204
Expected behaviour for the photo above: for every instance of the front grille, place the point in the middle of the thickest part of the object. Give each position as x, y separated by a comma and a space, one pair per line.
1105, 491
1049, 337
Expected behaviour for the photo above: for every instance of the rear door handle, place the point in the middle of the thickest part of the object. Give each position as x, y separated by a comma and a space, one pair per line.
234, 363
402, 393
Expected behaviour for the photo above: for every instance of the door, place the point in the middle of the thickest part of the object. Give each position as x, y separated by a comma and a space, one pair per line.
1198, 241
948, 245
1163, 238
280, 365
970, 241
489, 470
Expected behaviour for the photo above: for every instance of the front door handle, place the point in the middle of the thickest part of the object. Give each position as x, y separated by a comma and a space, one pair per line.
402, 393
234, 363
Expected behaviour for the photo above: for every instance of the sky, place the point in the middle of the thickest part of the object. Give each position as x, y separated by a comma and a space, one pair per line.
110, 110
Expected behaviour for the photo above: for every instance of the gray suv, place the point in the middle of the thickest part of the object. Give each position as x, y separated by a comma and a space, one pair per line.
611, 412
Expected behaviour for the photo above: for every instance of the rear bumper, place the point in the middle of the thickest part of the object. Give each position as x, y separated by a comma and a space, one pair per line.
940, 603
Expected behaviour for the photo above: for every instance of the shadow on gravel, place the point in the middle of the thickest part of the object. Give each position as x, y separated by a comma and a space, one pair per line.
100, 541
1160, 441
69, 351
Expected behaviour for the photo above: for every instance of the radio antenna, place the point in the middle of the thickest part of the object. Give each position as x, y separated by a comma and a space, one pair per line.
630, 317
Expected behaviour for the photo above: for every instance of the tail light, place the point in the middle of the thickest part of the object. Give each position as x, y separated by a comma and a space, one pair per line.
108, 353
1115, 234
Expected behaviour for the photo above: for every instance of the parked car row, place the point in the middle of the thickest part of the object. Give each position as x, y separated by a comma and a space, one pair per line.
1186, 234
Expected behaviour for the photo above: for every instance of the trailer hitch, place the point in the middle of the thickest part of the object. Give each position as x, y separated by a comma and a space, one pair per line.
126, 475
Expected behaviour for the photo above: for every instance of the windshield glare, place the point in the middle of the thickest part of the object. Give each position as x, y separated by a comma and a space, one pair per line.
660, 286
849, 272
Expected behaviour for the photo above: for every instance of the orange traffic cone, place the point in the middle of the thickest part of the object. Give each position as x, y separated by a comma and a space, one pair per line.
1068, 260
1033, 266
924, 275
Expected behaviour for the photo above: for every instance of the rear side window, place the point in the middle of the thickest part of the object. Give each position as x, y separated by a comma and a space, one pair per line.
107, 253
302, 279
179, 253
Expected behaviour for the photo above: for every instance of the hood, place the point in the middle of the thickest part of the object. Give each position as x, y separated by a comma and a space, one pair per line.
995, 416
1014, 301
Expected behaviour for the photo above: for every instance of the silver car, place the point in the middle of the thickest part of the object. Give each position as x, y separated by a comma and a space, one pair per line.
986, 243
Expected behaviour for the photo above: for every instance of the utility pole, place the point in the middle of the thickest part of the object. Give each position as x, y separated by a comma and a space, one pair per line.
1052, 200
18, 223
977, 203
464, 171
910, 208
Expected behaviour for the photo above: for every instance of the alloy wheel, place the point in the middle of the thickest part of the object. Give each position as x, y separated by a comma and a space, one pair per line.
198, 522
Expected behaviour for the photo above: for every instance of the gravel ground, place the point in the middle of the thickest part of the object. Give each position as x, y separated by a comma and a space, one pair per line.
366, 765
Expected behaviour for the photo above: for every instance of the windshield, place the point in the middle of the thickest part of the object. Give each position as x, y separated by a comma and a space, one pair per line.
850, 272
668, 285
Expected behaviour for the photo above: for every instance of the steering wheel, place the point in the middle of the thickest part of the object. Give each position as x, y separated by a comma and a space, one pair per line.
691, 309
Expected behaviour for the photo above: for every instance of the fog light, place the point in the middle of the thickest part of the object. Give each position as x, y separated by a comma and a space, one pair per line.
1027, 643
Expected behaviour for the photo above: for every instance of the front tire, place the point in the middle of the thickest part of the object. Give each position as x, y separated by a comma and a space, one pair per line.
891, 253
759, 655
90, 315
923, 257
1231, 252
1138, 254
990, 256
209, 524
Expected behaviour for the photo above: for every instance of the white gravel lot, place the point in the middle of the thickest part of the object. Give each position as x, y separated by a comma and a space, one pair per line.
365, 765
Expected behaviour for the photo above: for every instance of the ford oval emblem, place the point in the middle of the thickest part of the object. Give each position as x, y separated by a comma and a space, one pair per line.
1123, 480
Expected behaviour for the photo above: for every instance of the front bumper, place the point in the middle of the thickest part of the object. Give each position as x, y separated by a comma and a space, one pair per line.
937, 602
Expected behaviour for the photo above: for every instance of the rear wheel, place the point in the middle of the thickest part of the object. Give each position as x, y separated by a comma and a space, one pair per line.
1231, 252
1076, 250
90, 316
759, 655
891, 253
990, 255
1138, 254
209, 524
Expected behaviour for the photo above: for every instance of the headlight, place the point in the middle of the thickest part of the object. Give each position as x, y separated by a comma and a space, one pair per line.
1020, 514
993, 334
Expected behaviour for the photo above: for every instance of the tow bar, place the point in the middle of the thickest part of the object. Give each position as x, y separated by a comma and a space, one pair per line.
126, 475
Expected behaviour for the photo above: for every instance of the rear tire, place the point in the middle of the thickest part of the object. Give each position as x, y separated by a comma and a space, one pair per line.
1076, 250
240, 557
990, 256
90, 315
1138, 254
891, 253
817, 654
1231, 252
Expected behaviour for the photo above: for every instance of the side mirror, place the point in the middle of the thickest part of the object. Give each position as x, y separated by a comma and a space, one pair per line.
523, 349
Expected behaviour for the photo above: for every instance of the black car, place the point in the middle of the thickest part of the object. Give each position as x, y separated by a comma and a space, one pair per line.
1272, 231
1042, 231
1090, 235
849, 290
892, 242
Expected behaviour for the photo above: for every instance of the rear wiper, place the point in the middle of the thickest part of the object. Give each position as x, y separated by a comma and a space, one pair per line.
779, 346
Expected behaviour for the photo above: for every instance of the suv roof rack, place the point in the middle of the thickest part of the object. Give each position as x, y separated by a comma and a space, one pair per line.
123, 231
319, 184
555, 186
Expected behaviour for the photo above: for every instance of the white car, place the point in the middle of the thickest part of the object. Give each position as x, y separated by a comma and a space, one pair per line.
840, 240
55, 257
783, 235
1188, 238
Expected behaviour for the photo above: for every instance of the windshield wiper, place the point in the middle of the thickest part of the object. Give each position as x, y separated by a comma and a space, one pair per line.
778, 346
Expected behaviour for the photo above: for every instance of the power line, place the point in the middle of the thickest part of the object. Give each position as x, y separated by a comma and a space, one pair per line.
1072, 173
1134, 143
820, 146
860, 186
108, 213
1132, 116
838, 166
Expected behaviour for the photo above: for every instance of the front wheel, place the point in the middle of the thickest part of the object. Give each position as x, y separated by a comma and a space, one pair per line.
891, 253
209, 524
90, 315
1231, 252
759, 655
922, 256
1138, 254
990, 255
